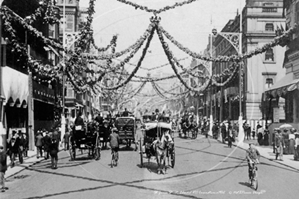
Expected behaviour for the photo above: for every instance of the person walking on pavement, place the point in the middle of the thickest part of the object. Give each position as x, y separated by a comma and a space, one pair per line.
3, 168
39, 144
47, 142
26, 145
13, 147
285, 136
223, 132
66, 141
292, 141
53, 149
279, 146
21, 146
296, 155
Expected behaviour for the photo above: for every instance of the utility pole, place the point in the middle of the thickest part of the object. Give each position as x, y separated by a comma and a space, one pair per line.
211, 88
63, 119
241, 134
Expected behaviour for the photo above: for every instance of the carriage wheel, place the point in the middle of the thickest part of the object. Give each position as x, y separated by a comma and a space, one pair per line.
173, 159
141, 152
72, 149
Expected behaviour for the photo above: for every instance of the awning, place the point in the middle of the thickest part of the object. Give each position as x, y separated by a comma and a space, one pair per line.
15, 87
280, 88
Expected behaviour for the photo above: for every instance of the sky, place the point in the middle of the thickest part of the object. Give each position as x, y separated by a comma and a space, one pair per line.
189, 24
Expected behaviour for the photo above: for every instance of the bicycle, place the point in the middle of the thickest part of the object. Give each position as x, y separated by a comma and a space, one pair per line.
253, 178
114, 158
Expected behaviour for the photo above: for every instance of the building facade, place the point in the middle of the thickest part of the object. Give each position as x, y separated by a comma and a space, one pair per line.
260, 19
287, 87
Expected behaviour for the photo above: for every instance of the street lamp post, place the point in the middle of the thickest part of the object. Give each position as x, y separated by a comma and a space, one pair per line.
235, 39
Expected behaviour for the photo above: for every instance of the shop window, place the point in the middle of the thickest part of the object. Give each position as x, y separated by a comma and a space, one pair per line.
269, 27
269, 56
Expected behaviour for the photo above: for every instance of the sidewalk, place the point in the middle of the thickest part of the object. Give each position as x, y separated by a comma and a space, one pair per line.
28, 161
267, 152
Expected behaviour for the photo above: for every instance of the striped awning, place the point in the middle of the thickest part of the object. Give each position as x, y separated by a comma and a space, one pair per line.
284, 85
15, 87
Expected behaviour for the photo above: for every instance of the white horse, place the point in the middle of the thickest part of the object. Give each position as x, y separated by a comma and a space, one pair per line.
160, 148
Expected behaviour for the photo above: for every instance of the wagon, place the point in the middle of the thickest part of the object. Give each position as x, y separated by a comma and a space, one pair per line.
85, 137
127, 129
154, 131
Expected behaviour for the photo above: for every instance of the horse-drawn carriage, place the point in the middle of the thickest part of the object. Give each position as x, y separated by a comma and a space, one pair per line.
158, 143
85, 137
127, 129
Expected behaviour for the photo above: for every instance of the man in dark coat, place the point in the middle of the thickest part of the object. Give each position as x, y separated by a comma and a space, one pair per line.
223, 132
47, 142
125, 113
53, 149
13, 147
3, 168
79, 126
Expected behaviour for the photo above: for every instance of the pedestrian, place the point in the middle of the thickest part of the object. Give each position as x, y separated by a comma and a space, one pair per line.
248, 131
39, 144
230, 140
21, 146
53, 149
46, 142
279, 146
106, 132
26, 145
66, 141
114, 141
139, 137
292, 141
253, 134
3, 168
296, 155
285, 136
13, 147
260, 136
274, 135
223, 132
266, 137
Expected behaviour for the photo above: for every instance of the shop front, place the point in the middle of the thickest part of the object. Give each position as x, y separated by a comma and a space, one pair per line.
288, 89
15, 111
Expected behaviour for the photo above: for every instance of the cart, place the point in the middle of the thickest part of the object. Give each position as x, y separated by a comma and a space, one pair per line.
127, 128
85, 137
154, 131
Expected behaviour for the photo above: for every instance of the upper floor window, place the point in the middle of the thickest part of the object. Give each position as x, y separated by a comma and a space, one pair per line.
269, 9
269, 56
269, 82
269, 27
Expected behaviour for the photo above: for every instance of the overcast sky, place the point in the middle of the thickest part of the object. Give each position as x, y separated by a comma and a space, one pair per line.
189, 24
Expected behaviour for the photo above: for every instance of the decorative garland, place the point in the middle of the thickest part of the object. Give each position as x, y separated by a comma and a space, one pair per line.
139, 63
12, 16
145, 8
46, 9
140, 41
279, 40
229, 79
170, 58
